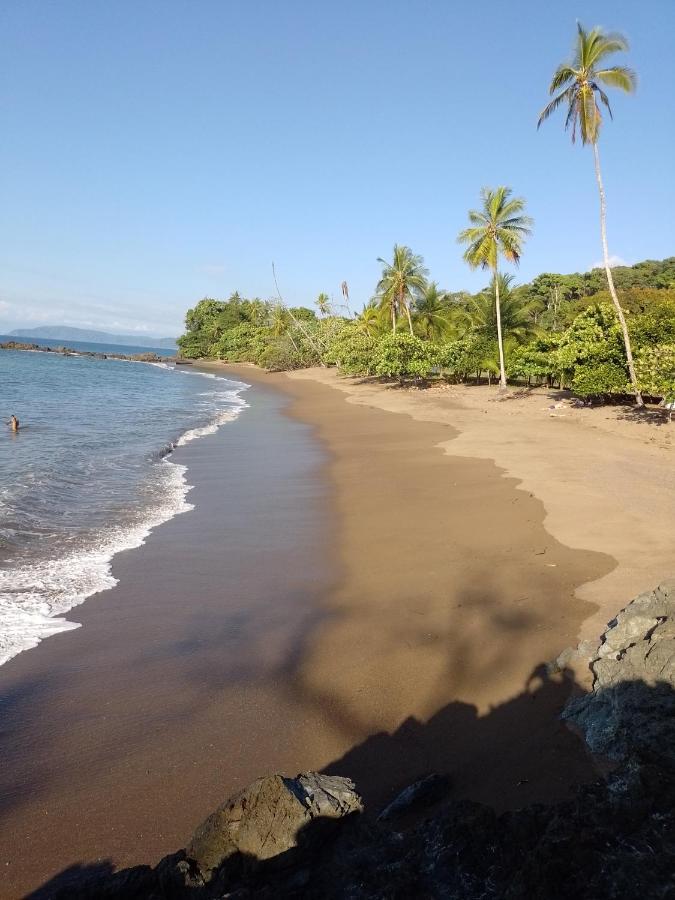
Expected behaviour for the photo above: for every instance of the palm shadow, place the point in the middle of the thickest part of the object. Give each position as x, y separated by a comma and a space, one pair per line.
611, 838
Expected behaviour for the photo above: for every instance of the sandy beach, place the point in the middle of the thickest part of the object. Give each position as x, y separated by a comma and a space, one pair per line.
604, 475
379, 598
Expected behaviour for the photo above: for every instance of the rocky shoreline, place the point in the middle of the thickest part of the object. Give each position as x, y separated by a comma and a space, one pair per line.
309, 837
92, 354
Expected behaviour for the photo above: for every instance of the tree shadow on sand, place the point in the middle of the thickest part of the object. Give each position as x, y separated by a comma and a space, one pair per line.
449, 840
613, 839
518, 753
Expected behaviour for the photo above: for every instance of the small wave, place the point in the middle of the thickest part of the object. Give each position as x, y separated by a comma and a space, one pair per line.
34, 596
225, 415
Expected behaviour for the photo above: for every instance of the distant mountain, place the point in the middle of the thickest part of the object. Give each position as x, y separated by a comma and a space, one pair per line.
64, 333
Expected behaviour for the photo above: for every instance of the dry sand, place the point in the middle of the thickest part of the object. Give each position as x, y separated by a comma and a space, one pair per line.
449, 580
605, 477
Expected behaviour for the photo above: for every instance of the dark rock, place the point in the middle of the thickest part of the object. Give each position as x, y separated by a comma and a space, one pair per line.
631, 709
429, 790
265, 819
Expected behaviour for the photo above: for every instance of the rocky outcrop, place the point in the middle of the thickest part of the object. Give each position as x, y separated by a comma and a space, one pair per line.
305, 837
91, 354
631, 710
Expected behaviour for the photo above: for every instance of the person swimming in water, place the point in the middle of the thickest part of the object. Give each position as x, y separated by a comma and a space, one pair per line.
13, 423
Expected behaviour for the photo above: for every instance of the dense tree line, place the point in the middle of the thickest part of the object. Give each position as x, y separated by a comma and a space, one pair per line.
557, 329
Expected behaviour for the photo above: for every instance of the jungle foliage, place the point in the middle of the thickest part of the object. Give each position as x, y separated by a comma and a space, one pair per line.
557, 329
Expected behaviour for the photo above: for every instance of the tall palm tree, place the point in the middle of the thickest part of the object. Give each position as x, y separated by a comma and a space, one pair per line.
403, 281
499, 228
577, 84
432, 313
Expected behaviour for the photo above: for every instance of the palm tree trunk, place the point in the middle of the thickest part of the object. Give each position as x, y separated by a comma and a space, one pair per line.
407, 312
393, 317
610, 280
502, 369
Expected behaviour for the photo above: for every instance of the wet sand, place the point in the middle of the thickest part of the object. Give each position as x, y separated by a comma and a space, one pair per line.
347, 596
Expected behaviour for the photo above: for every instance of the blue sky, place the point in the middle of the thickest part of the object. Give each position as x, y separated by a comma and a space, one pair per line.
158, 151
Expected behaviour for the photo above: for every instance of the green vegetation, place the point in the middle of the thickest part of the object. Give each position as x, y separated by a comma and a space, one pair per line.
557, 330
569, 330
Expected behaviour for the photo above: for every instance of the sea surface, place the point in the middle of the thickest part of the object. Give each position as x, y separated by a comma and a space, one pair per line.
89, 474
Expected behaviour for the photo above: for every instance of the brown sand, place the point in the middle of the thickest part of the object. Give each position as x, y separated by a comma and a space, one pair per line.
412, 637
606, 478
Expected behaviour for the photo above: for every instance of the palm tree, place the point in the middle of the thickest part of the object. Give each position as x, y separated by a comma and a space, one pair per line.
369, 321
498, 229
578, 85
517, 323
322, 303
257, 310
432, 313
402, 282
278, 320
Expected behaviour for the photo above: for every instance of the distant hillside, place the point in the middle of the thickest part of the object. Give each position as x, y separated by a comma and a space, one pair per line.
64, 333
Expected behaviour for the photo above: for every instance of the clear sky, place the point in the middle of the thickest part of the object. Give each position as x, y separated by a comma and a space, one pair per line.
157, 151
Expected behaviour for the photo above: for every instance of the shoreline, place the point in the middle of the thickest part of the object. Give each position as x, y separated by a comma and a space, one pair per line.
121, 733
93, 561
405, 630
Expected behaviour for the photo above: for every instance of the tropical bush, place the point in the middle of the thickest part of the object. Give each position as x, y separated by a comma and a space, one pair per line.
465, 356
655, 369
351, 350
600, 381
538, 360
401, 355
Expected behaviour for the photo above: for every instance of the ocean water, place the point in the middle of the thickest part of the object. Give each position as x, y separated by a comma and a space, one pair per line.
89, 474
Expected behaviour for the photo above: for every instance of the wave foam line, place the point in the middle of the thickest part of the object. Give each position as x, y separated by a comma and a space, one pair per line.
34, 597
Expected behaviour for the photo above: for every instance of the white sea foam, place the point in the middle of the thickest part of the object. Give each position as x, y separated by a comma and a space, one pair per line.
226, 415
35, 596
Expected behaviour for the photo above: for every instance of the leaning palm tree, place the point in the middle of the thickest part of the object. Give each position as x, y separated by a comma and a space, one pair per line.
578, 85
497, 229
403, 281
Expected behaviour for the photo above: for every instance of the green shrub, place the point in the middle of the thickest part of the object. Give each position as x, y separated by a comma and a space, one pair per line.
351, 351
465, 356
600, 381
655, 370
538, 360
280, 356
400, 355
